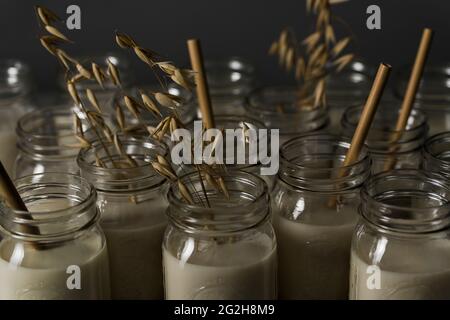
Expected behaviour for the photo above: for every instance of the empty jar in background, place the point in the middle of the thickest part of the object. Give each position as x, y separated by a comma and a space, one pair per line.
56, 251
47, 143
225, 252
277, 108
401, 246
433, 96
132, 205
349, 87
15, 86
436, 154
246, 148
390, 149
314, 203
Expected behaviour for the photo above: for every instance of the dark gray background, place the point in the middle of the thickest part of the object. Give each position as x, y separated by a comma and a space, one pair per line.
229, 27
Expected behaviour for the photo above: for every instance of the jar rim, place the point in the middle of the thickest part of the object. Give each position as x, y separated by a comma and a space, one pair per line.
21, 131
331, 177
60, 144
437, 138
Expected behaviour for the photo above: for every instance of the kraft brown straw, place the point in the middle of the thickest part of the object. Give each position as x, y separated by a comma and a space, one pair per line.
411, 91
204, 99
365, 121
10, 195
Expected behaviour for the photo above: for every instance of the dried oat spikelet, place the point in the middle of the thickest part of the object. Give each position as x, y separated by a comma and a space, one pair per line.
173, 125
49, 42
93, 100
167, 100
73, 92
211, 181
120, 117
223, 187
274, 48
64, 58
84, 143
343, 61
183, 78
132, 105
144, 55
163, 161
319, 93
124, 41
162, 128
83, 71
77, 125
340, 45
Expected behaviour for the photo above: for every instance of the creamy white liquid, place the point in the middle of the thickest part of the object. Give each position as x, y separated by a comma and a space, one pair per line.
37, 274
8, 151
419, 279
313, 258
226, 272
134, 233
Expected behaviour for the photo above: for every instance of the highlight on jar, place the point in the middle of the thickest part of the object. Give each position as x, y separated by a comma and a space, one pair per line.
248, 162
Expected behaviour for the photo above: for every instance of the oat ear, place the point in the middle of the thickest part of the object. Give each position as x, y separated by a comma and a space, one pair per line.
184, 191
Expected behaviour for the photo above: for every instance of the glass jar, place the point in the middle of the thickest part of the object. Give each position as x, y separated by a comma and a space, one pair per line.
15, 85
105, 95
46, 142
314, 205
436, 154
239, 154
57, 249
433, 96
390, 149
230, 80
350, 87
401, 246
226, 251
132, 205
277, 108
